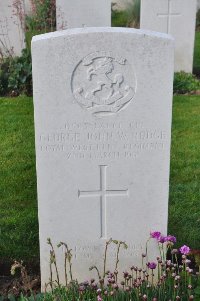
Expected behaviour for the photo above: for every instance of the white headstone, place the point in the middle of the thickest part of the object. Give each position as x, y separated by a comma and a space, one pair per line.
176, 17
87, 13
103, 106
28, 7
11, 27
122, 4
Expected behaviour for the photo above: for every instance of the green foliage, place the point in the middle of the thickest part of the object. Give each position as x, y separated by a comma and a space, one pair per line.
185, 83
43, 17
119, 18
20, 77
196, 69
4, 76
16, 75
16, 72
198, 20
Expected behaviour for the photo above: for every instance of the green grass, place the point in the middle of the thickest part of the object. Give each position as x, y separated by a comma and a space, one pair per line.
119, 18
197, 54
18, 206
184, 209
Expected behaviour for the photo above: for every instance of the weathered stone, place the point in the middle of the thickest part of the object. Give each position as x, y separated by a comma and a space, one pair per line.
87, 13
12, 38
176, 17
103, 106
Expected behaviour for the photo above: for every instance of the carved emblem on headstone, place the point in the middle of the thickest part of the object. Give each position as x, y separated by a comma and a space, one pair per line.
103, 83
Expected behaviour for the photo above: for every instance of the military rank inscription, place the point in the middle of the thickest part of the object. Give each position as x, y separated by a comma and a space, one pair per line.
113, 141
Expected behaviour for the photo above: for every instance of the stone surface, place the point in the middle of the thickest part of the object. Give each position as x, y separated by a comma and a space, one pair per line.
103, 102
11, 28
122, 4
87, 13
176, 17
28, 7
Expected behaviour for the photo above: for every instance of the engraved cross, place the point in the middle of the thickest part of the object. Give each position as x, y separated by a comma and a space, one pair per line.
169, 15
103, 193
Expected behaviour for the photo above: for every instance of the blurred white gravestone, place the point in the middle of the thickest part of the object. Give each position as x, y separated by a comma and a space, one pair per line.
198, 5
178, 18
12, 37
87, 13
28, 7
103, 106
122, 4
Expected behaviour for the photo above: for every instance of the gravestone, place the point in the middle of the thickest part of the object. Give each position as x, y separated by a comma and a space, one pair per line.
103, 106
87, 13
122, 4
28, 7
11, 27
176, 17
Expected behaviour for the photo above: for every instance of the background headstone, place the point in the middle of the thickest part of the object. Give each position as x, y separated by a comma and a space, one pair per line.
103, 106
11, 27
87, 13
122, 4
178, 18
198, 4
28, 7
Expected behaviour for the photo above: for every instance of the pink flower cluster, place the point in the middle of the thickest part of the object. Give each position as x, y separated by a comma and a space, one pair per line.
184, 250
162, 239
152, 265
169, 239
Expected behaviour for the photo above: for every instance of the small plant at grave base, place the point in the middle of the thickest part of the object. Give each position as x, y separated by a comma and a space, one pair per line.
16, 75
24, 284
185, 83
159, 280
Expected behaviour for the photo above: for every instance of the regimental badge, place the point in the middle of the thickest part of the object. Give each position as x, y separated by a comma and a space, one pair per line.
103, 84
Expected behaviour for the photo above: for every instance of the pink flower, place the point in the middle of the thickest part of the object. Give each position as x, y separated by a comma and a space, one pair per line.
99, 298
170, 238
152, 265
155, 234
162, 239
184, 250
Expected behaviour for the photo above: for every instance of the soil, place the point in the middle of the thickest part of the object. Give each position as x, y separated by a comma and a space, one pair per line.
14, 284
